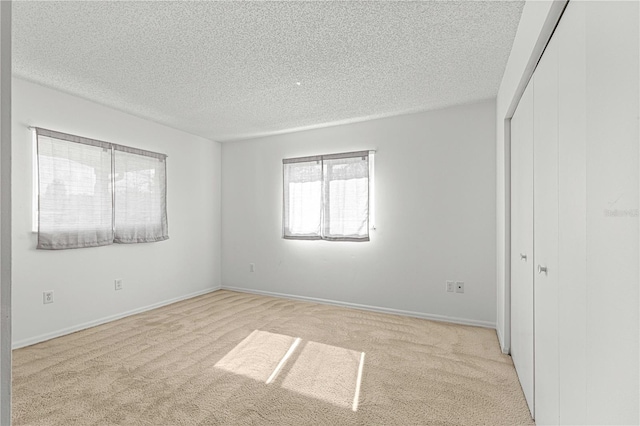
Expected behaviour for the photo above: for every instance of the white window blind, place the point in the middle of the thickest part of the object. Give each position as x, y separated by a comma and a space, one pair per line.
303, 198
77, 204
140, 196
327, 197
346, 197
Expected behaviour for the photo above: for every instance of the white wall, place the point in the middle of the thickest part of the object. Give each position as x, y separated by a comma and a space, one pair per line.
82, 279
435, 193
5, 213
534, 30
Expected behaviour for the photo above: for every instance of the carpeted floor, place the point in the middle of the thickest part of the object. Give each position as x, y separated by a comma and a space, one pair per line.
234, 358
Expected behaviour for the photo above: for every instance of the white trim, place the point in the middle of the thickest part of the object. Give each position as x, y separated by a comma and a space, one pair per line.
503, 348
432, 317
546, 32
43, 337
372, 190
35, 183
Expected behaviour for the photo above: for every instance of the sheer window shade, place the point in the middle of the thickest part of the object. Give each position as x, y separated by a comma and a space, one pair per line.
76, 198
75, 202
346, 198
140, 196
303, 199
327, 197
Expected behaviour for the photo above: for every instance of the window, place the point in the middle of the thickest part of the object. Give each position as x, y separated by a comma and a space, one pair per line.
92, 193
140, 197
327, 197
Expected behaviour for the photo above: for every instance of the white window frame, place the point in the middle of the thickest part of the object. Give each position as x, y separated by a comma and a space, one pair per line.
36, 179
372, 190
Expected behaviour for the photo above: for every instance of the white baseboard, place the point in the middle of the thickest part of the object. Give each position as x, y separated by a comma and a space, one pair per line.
47, 336
433, 317
503, 348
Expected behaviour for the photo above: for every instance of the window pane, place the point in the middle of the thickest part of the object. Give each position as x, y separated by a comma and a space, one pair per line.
347, 198
75, 202
303, 199
140, 198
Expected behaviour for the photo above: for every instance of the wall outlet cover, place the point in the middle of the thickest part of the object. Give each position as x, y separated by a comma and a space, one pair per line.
450, 286
47, 297
459, 286
118, 284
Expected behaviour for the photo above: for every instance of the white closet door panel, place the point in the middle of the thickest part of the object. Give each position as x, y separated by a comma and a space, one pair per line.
522, 244
612, 209
572, 199
545, 161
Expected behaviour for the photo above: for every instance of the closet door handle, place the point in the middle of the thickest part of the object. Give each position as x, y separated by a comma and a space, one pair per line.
542, 269
523, 257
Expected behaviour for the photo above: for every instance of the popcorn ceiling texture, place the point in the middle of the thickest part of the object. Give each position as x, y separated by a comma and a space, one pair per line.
229, 70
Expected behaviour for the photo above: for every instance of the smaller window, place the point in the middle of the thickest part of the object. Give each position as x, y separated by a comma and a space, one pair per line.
327, 197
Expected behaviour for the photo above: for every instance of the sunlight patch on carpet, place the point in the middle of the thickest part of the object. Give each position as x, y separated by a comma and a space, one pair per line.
325, 372
258, 355
328, 373
283, 361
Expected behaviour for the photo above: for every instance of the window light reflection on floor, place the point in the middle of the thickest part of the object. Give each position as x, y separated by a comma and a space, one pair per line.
257, 356
283, 361
328, 373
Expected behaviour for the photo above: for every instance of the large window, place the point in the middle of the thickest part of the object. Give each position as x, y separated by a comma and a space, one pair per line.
327, 197
92, 193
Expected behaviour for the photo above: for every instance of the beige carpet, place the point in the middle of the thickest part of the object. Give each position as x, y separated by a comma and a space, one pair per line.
233, 358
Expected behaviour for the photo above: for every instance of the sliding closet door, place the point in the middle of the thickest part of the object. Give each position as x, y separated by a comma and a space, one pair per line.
545, 160
522, 243
585, 206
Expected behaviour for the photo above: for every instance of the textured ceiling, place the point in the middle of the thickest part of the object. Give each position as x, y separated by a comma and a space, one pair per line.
232, 70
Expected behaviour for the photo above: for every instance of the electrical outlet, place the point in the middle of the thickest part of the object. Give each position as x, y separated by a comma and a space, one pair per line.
118, 284
459, 286
47, 297
252, 267
450, 286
